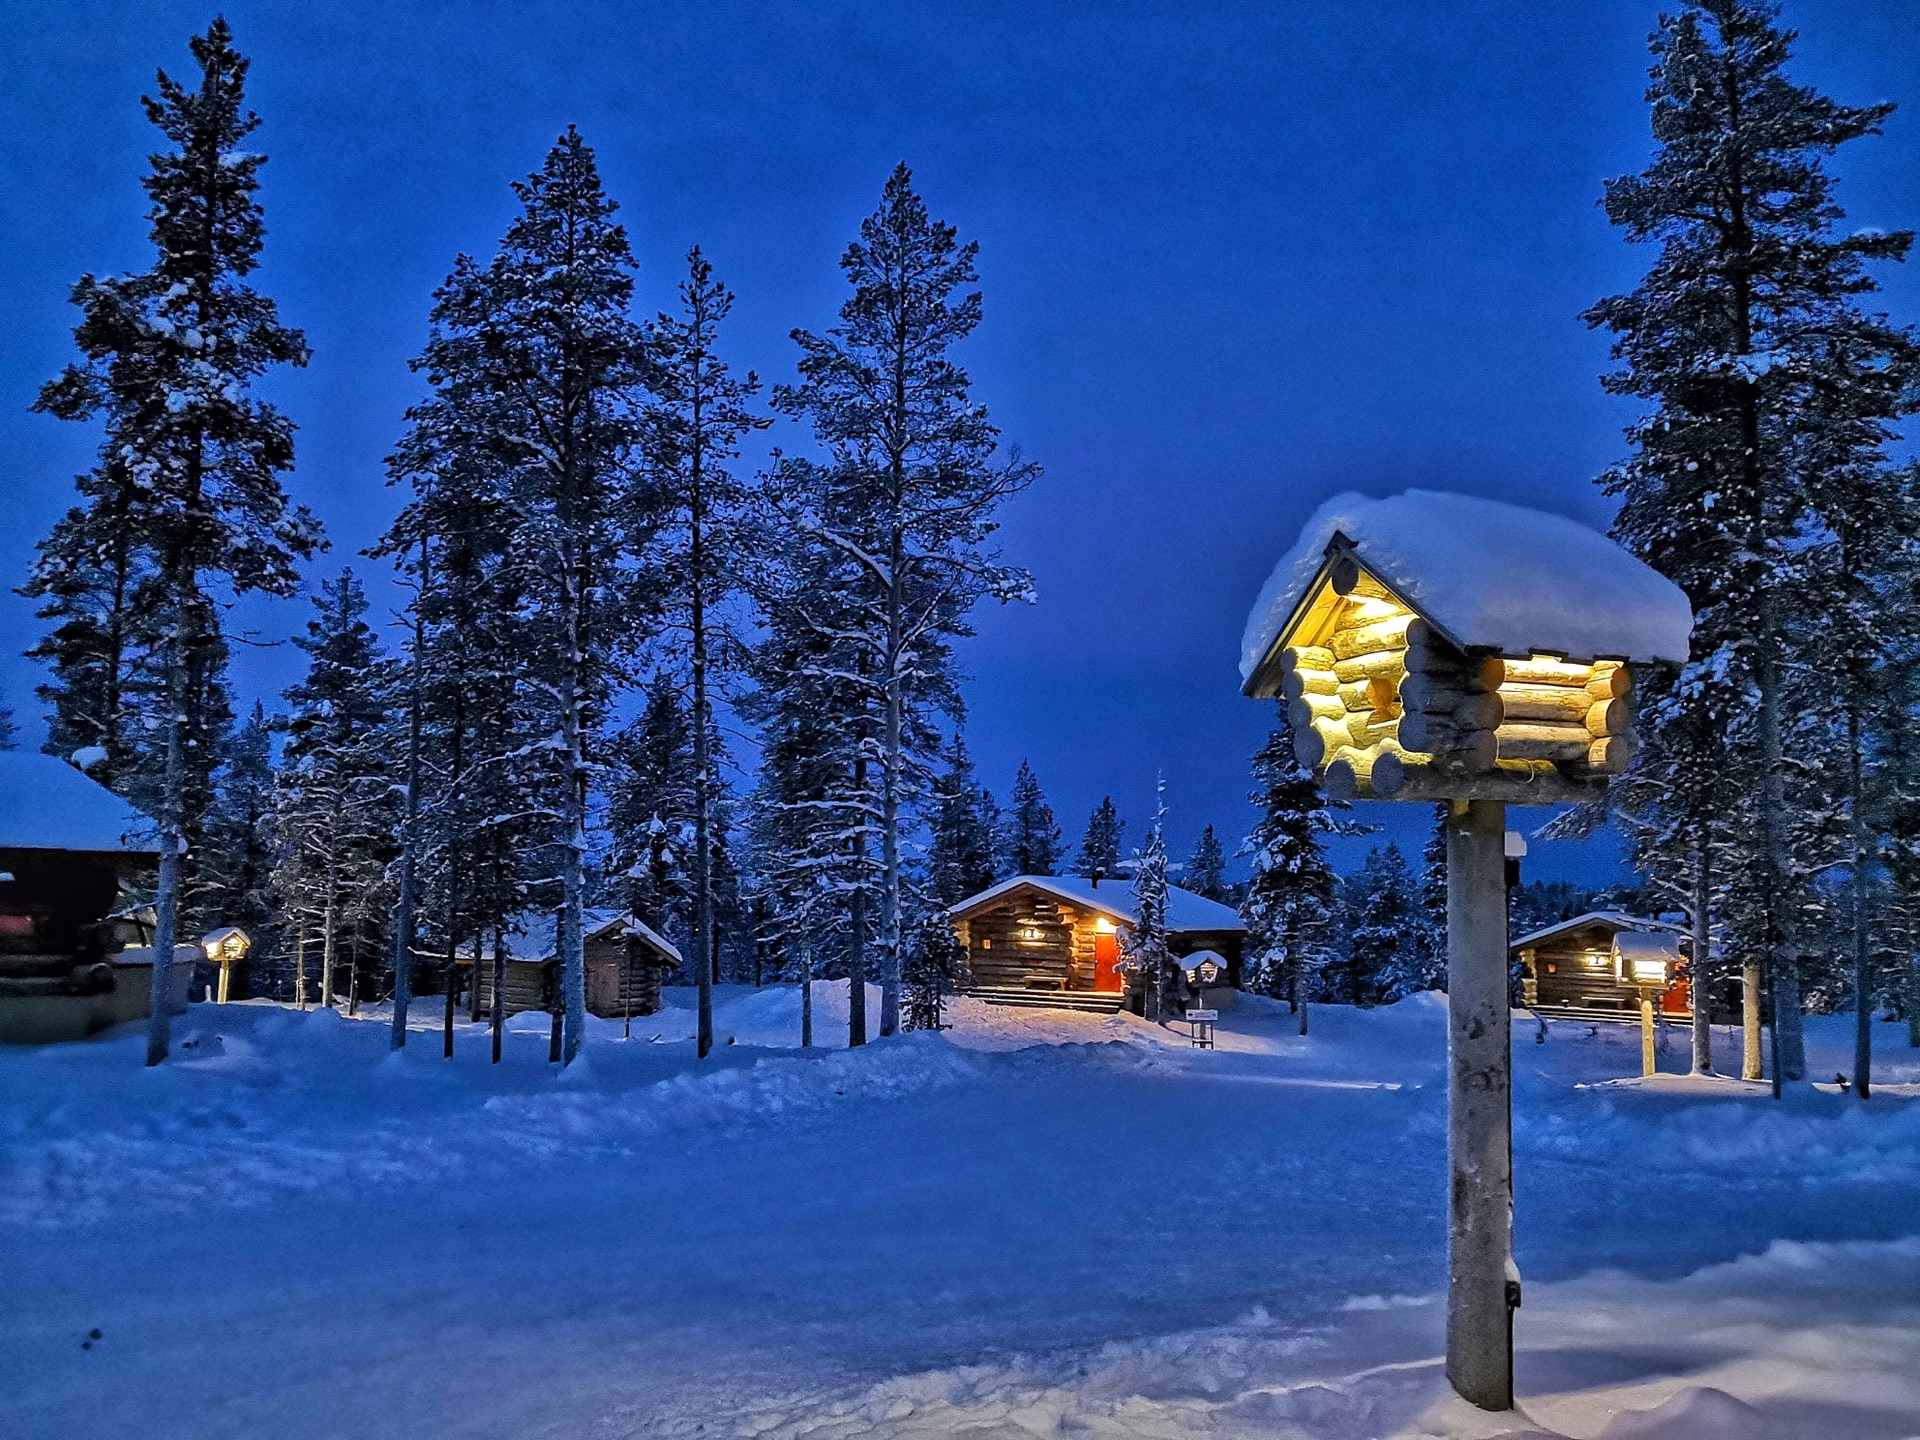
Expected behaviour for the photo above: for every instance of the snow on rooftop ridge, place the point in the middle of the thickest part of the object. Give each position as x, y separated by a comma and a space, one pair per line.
1185, 910
1488, 574
46, 804
531, 935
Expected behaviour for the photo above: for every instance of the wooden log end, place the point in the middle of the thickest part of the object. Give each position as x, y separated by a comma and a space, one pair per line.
1344, 575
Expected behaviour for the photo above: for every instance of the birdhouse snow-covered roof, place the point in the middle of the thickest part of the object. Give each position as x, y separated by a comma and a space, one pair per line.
1646, 945
1486, 575
46, 804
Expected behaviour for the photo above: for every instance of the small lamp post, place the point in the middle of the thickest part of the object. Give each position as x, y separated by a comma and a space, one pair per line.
1646, 963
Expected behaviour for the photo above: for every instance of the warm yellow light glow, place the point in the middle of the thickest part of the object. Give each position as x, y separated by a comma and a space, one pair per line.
1103, 925
1650, 971
1372, 607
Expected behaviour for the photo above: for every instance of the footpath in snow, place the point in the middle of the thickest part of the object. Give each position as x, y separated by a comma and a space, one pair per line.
1034, 1224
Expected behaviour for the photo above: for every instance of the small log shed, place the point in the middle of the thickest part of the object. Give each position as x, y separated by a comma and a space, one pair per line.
1050, 938
1574, 969
627, 962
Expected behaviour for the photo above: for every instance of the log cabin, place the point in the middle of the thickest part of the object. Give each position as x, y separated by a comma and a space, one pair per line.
1057, 940
1579, 969
67, 847
627, 962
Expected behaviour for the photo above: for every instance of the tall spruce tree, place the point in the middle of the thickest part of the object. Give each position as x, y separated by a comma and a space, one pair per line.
1387, 954
188, 488
905, 502
695, 426
960, 851
546, 353
1030, 842
334, 816
1146, 952
1206, 872
1769, 392
1100, 847
1290, 897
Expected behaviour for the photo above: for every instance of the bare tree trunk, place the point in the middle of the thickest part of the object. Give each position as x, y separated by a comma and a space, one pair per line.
166, 905
1861, 849
353, 972
806, 996
890, 778
327, 927
1701, 967
497, 1007
857, 939
568, 936
702, 790
409, 836
1750, 1068
300, 965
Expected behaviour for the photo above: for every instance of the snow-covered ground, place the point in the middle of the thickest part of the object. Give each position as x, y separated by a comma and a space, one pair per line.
1036, 1224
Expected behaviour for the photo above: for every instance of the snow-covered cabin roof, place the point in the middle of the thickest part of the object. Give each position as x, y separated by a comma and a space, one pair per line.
1485, 574
530, 936
46, 804
1185, 910
1615, 920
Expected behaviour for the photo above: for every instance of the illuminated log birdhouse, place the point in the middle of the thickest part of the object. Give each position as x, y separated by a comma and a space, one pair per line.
1439, 647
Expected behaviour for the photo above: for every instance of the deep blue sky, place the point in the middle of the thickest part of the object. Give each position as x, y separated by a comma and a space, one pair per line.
1235, 256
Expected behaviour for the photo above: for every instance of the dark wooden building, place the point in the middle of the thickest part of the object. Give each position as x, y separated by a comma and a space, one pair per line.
1058, 939
67, 845
1574, 969
627, 962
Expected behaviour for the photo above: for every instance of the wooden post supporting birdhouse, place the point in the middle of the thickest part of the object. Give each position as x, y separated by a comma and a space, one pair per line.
1439, 648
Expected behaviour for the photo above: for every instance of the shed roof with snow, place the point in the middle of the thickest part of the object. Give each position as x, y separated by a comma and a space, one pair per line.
1186, 911
531, 934
46, 804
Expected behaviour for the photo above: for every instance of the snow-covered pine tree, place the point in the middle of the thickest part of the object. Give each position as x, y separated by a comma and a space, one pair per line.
933, 959
651, 764
1387, 953
9, 733
1743, 323
1433, 897
237, 856
1288, 907
334, 814
813, 816
193, 460
960, 851
1100, 847
1030, 842
547, 354
1206, 872
1147, 954
908, 493
694, 429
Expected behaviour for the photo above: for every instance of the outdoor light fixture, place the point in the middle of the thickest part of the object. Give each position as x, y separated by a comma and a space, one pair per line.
1649, 970
1102, 925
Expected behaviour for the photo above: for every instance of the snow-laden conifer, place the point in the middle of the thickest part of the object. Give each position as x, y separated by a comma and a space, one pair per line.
904, 503
1147, 954
704, 548
334, 814
187, 486
1737, 337
1030, 838
1099, 856
1288, 907
1206, 870
1387, 954
960, 850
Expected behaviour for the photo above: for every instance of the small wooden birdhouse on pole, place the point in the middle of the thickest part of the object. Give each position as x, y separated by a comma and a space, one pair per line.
1437, 647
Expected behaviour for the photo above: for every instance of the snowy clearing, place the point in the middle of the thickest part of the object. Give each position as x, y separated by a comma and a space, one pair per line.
1036, 1224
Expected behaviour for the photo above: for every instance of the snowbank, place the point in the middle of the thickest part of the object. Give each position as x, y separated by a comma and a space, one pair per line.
1488, 574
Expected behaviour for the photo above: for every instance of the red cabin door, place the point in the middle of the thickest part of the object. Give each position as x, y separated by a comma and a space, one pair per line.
1106, 962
